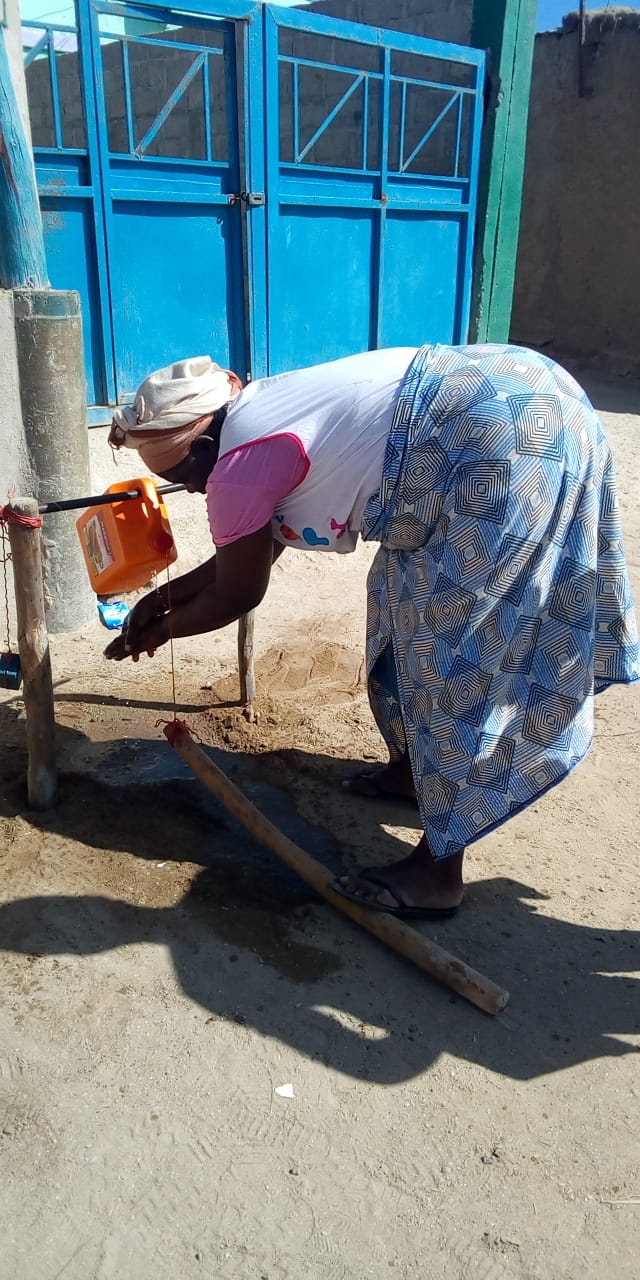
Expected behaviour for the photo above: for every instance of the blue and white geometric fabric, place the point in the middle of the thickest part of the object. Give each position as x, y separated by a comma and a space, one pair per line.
499, 600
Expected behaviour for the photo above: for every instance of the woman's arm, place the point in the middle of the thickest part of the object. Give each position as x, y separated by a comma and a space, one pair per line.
242, 576
232, 583
180, 590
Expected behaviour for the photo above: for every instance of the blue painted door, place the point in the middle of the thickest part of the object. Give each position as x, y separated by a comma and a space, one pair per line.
167, 124
64, 140
267, 185
135, 116
373, 142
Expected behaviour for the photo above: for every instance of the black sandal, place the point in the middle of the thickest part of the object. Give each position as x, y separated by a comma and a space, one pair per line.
365, 784
402, 911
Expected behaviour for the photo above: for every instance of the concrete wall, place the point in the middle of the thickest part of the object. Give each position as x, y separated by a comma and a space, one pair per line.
578, 272
448, 20
157, 69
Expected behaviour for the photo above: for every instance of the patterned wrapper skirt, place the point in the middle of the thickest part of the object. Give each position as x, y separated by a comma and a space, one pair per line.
499, 601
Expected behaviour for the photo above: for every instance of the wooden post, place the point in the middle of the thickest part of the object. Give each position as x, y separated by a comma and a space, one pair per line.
245, 658
582, 40
506, 29
414, 946
33, 643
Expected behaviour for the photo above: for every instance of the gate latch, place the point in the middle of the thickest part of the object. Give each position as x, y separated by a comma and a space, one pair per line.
252, 199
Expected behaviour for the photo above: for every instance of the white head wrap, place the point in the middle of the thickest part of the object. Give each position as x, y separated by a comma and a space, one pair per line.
170, 410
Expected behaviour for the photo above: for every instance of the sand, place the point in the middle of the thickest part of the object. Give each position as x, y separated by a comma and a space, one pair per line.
162, 976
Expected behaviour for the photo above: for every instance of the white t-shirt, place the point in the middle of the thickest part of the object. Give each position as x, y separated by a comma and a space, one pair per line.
339, 416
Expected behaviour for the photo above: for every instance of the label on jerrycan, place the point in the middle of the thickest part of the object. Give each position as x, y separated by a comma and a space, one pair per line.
97, 543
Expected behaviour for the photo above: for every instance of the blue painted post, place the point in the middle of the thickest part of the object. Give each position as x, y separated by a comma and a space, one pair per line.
48, 329
22, 258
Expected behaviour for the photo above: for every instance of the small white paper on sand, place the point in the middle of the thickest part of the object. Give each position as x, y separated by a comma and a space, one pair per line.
284, 1091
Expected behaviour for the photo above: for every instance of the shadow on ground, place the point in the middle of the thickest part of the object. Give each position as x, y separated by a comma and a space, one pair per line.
251, 944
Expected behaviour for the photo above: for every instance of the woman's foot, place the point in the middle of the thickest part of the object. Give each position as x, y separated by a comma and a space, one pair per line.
416, 885
393, 781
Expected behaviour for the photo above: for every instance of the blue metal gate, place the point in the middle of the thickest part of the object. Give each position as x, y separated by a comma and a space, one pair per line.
264, 184
373, 140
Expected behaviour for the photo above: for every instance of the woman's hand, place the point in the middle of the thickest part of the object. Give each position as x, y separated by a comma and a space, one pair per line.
145, 611
148, 638
233, 582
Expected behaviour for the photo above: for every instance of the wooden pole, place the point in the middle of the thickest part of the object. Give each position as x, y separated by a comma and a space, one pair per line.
582, 40
506, 30
35, 658
245, 658
433, 959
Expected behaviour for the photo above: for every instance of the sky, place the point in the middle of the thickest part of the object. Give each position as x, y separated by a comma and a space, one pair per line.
550, 12
58, 11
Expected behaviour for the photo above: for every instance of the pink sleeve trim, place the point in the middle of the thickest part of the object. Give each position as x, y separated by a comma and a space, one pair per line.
242, 495
280, 435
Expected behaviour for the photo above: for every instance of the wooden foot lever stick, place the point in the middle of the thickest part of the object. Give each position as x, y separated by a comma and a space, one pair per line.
408, 942
24, 535
245, 658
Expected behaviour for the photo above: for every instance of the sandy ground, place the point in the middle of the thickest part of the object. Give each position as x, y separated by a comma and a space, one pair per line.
161, 976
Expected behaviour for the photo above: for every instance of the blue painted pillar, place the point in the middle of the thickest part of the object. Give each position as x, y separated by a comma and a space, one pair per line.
48, 329
22, 258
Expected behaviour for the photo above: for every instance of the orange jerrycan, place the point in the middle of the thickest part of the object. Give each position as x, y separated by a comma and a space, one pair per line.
125, 543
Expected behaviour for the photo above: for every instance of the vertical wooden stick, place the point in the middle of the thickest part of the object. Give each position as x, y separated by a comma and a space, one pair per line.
582, 41
245, 658
35, 657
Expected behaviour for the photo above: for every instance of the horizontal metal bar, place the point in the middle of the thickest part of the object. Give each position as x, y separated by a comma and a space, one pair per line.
328, 66
168, 195
427, 207
126, 38
291, 170
56, 151
62, 193
102, 499
289, 166
148, 161
350, 188
56, 27
376, 75
434, 84
289, 200
441, 179
214, 11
